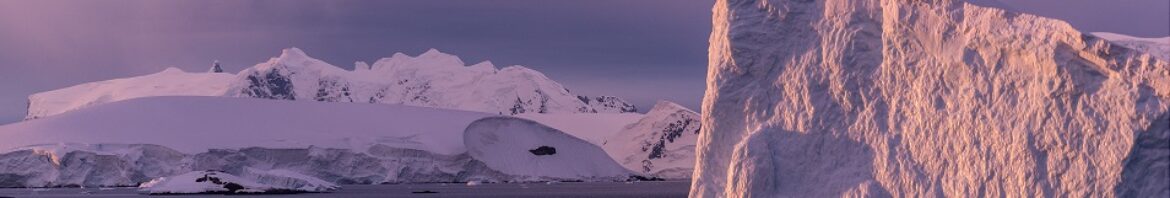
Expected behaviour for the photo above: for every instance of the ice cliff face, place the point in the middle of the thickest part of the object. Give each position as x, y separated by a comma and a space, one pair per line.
662, 144
128, 142
75, 165
432, 79
602, 104
859, 98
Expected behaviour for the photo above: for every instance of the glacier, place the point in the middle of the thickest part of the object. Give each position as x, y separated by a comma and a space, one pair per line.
129, 142
933, 98
431, 79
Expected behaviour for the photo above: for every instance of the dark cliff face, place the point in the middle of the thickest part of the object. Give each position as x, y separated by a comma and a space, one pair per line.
671, 132
215, 68
536, 104
333, 90
617, 103
606, 102
270, 85
676, 126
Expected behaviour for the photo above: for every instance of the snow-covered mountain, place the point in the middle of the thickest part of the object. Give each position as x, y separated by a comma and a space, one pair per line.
893, 98
661, 144
432, 79
128, 142
1158, 47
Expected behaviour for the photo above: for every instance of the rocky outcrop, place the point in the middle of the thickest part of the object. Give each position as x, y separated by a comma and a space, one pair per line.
661, 144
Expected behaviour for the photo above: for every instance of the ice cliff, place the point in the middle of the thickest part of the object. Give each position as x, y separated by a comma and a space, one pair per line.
895, 98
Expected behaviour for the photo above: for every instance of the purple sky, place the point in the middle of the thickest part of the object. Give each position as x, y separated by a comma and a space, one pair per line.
641, 50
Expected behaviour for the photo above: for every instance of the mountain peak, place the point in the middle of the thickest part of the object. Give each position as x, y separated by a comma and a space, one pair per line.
292, 52
668, 106
483, 65
430, 58
437, 58
172, 70
432, 51
520, 69
361, 65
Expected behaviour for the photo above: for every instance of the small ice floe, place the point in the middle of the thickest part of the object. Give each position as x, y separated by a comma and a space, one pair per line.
215, 182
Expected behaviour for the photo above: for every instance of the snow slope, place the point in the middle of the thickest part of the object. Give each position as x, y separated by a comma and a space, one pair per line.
196, 124
877, 98
661, 144
597, 128
1158, 47
431, 79
169, 82
523, 147
133, 141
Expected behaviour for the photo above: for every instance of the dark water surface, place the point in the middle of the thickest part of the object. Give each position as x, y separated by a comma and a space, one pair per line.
574, 189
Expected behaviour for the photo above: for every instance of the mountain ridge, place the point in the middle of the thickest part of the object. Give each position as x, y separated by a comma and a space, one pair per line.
431, 79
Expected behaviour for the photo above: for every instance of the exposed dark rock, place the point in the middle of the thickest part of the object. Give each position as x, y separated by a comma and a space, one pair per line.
544, 150
270, 85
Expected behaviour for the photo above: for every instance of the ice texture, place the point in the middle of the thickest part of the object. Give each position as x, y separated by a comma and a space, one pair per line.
894, 98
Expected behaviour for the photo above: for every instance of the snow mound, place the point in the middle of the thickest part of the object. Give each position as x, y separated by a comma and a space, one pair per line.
661, 144
432, 79
882, 98
522, 147
214, 182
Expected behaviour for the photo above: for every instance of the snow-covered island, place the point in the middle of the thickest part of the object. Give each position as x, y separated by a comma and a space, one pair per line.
403, 119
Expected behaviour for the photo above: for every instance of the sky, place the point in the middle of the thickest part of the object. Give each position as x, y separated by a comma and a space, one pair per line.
643, 50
